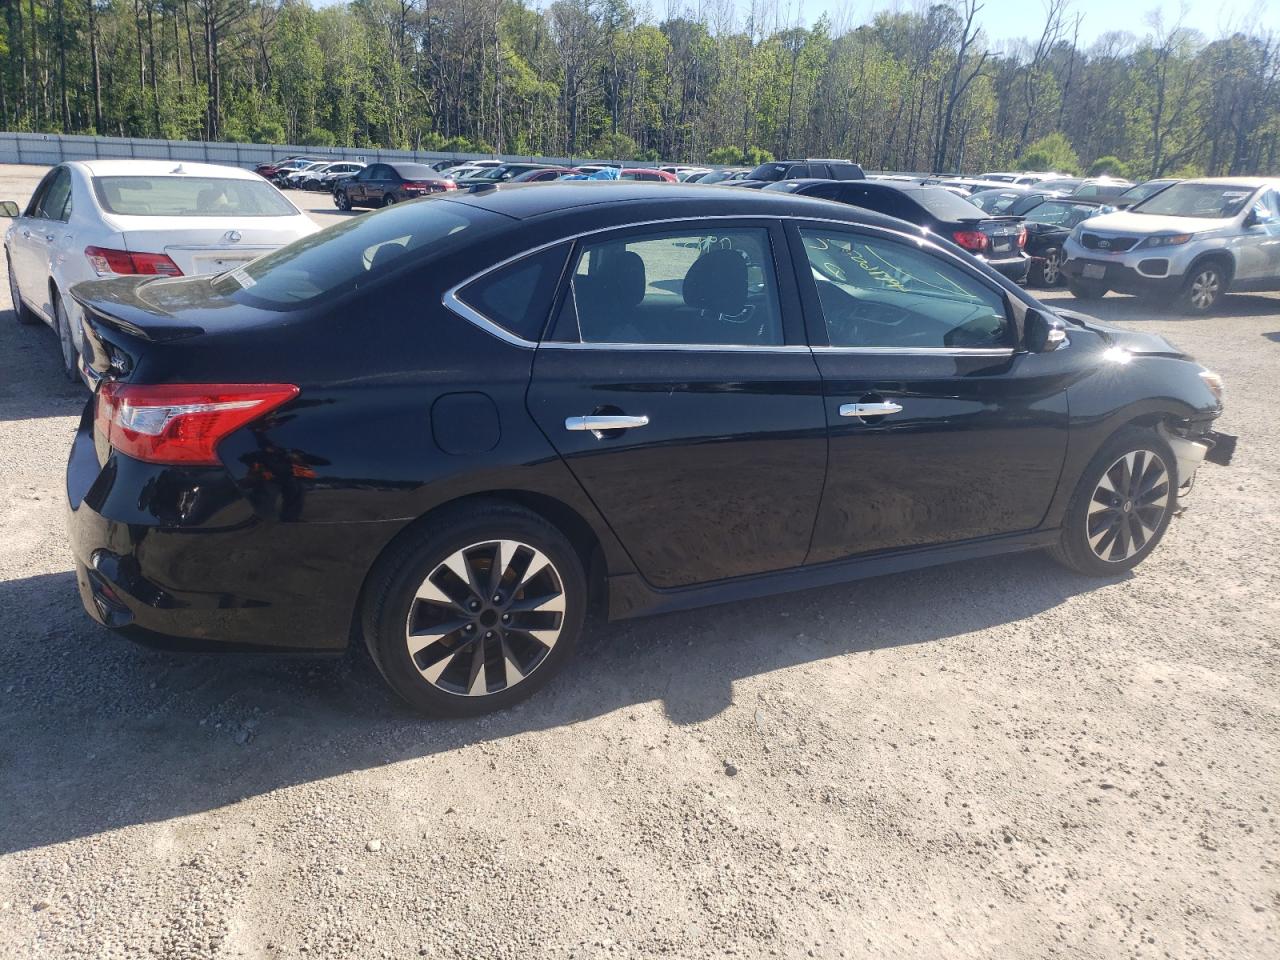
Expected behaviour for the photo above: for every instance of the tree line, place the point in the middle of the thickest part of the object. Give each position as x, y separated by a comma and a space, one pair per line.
919, 90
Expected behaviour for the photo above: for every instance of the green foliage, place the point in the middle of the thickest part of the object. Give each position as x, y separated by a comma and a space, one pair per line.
1051, 152
610, 78
1109, 166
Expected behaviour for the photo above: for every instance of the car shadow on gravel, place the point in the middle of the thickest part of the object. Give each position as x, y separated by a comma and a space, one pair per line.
33, 385
98, 734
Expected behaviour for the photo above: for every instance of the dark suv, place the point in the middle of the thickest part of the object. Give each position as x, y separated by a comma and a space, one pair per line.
445, 427
776, 170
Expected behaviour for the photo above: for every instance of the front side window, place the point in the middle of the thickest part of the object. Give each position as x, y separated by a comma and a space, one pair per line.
187, 196
713, 286
55, 203
878, 293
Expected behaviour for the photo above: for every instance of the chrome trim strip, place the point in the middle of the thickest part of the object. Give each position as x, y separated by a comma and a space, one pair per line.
686, 347
451, 300
922, 351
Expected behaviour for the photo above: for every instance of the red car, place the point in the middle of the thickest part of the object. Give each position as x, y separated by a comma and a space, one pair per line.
272, 167
648, 173
542, 175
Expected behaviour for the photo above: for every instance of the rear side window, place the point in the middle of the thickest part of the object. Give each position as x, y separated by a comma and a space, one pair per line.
518, 297
186, 196
354, 253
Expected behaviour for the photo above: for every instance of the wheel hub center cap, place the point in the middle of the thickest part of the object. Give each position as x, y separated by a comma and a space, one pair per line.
489, 618
1128, 505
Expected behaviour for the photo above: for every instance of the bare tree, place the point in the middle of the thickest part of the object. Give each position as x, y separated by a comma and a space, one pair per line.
960, 78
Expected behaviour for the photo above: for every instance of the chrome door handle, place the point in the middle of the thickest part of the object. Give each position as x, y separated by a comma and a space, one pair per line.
49, 237
869, 409
604, 423
26, 234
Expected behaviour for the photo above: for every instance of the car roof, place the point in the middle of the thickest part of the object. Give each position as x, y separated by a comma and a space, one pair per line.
160, 168
645, 201
1253, 182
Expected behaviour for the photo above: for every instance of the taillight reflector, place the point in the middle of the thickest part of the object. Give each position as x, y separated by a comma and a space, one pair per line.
181, 423
973, 240
106, 262
1022, 236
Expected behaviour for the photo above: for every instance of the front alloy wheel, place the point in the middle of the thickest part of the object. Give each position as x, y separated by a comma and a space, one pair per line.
1128, 506
1203, 289
66, 342
486, 618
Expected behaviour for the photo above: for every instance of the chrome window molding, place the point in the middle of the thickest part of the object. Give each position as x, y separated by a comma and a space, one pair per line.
453, 302
923, 351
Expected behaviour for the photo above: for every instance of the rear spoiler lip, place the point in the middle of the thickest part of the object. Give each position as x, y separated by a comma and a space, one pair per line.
156, 329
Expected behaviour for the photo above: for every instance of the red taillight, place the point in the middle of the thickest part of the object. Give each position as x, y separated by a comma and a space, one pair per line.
181, 422
973, 240
1022, 236
449, 185
106, 262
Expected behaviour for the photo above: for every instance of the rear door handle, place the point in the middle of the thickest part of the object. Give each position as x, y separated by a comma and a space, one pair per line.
870, 409
605, 422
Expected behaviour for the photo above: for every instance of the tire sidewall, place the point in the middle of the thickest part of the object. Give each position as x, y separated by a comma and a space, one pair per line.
1198, 270
387, 608
1056, 279
62, 324
1075, 540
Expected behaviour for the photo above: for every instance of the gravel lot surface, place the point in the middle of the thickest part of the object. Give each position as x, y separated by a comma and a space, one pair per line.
992, 759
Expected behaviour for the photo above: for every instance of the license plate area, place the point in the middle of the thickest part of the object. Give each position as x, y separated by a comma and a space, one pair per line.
1094, 271
219, 263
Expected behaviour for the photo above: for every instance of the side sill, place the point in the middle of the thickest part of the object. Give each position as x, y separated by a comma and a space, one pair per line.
630, 596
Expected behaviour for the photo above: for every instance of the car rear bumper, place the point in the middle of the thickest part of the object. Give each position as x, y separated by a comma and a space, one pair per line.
177, 558
1015, 268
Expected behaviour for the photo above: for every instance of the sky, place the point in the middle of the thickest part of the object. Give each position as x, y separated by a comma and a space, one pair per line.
1019, 19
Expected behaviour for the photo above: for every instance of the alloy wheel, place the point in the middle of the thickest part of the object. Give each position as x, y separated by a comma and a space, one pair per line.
485, 618
1205, 287
1052, 267
1128, 506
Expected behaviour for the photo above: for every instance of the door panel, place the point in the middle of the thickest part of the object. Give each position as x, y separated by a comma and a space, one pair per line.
29, 247
725, 478
686, 328
972, 433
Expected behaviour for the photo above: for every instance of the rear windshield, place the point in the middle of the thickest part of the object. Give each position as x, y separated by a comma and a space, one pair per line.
945, 205
353, 253
1062, 213
184, 196
995, 202
1209, 201
770, 171
415, 171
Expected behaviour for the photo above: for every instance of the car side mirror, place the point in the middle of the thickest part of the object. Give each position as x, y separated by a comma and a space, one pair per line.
9, 209
1042, 334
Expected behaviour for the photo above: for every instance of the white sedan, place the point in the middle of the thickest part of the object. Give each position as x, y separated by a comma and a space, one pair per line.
101, 218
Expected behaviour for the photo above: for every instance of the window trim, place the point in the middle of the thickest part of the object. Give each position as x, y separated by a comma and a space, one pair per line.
791, 224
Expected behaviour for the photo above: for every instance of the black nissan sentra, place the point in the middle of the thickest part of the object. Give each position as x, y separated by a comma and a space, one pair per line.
447, 426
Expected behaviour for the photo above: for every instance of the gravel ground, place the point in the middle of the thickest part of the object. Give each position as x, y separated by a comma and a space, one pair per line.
992, 759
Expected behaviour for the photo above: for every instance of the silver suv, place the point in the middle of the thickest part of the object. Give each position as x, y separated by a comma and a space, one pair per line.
1190, 243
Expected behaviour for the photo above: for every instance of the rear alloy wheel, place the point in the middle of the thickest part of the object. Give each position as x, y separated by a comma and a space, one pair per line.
21, 312
1203, 288
66, 343
341, 200
477, 615
1122, 505
1051, 271
388, 199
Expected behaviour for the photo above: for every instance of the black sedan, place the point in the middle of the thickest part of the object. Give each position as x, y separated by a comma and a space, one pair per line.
446, 427
382, 184
1048, 223
997, 240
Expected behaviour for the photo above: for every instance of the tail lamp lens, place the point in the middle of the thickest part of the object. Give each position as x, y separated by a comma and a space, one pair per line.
1022, 237
106, 262
974, 241
181, 423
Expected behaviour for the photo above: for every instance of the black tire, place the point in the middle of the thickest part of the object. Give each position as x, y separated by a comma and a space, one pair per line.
388, 199
1087, 289
1047, 271
397, 604
341, 200
21, 312
1091, 515
68, 355
1204, 287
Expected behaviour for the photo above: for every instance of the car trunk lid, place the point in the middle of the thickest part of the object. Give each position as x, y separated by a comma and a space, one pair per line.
208, 244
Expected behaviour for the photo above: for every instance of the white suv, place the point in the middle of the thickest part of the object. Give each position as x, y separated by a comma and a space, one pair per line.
1189, 243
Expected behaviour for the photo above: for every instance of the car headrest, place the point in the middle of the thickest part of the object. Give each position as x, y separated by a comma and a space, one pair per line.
616, 281
717, 282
